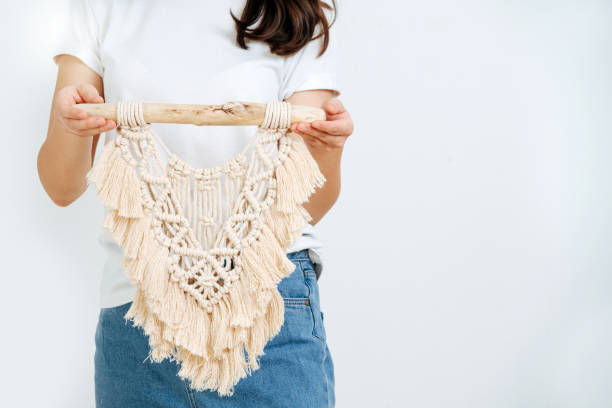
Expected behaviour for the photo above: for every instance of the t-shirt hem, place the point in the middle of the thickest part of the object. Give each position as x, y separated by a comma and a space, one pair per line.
312, 82
117, 299
86, 56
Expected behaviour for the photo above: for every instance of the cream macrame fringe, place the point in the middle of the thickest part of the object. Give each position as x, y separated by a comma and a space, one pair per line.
217, 341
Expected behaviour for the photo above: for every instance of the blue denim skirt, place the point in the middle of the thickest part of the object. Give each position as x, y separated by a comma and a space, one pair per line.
296, 369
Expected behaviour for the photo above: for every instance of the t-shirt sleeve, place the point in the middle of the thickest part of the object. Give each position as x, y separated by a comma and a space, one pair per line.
80, 36
305, 71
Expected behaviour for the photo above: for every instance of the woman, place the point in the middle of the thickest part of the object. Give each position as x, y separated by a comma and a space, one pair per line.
201, 52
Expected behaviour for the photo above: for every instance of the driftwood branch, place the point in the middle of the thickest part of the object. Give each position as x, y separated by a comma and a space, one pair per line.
231, 113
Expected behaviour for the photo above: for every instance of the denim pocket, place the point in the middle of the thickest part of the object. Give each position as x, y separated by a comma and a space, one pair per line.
310, 278
300, 295
293, 287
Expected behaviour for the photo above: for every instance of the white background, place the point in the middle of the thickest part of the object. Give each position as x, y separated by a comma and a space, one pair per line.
469, 253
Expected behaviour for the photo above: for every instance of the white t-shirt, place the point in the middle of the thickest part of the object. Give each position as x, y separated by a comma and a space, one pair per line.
185, 52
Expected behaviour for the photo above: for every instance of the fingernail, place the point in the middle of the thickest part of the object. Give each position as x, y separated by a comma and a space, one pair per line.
99, 121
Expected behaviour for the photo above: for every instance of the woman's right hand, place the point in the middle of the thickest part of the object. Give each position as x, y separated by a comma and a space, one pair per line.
75, 120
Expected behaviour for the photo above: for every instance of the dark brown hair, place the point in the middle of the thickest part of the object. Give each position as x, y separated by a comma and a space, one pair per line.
285, 25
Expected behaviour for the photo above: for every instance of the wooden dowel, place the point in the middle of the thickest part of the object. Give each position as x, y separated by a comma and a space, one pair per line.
231, 113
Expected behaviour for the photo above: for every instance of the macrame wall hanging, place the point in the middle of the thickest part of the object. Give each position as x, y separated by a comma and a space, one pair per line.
205, 247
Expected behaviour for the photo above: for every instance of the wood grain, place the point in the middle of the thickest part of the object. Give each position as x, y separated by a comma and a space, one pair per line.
230, 114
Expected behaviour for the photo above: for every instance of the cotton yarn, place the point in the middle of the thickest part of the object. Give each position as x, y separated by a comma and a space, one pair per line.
205, 247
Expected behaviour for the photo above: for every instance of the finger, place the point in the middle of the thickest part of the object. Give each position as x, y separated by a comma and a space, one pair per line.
67, 110
333, 107
315, 142
343, 127
70, 112
110, 124
308, 129
328, 140
89, 93
96, 131
85, 124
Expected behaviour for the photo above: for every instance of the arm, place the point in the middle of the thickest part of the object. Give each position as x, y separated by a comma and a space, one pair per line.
67, 153
325, 141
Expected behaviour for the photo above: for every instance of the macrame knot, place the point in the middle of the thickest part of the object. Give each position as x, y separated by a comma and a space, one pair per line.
278, 115
129, 114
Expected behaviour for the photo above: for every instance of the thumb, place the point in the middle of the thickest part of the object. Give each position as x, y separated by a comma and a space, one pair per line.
88, 93
333, 107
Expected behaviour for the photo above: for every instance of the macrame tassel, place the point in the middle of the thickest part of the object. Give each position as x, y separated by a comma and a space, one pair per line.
116, 181
98, 172
194, 332
141, 316
286, 227
149, 270
219, 370
264, 328
230, 365
297, 176
244, 305
265, 272
220, 374
220, 333
126, 232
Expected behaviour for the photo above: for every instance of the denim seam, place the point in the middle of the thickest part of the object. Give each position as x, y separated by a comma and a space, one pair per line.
190, 396
301, 255
306, 265
326, 378
301, 301
299, 259
312, 311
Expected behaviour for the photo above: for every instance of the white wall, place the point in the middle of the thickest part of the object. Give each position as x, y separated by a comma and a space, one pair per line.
468, 256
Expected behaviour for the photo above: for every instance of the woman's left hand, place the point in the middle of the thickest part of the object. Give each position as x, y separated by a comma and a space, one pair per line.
329, 134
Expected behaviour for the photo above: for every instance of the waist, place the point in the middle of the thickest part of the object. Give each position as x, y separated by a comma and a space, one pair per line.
300, 255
